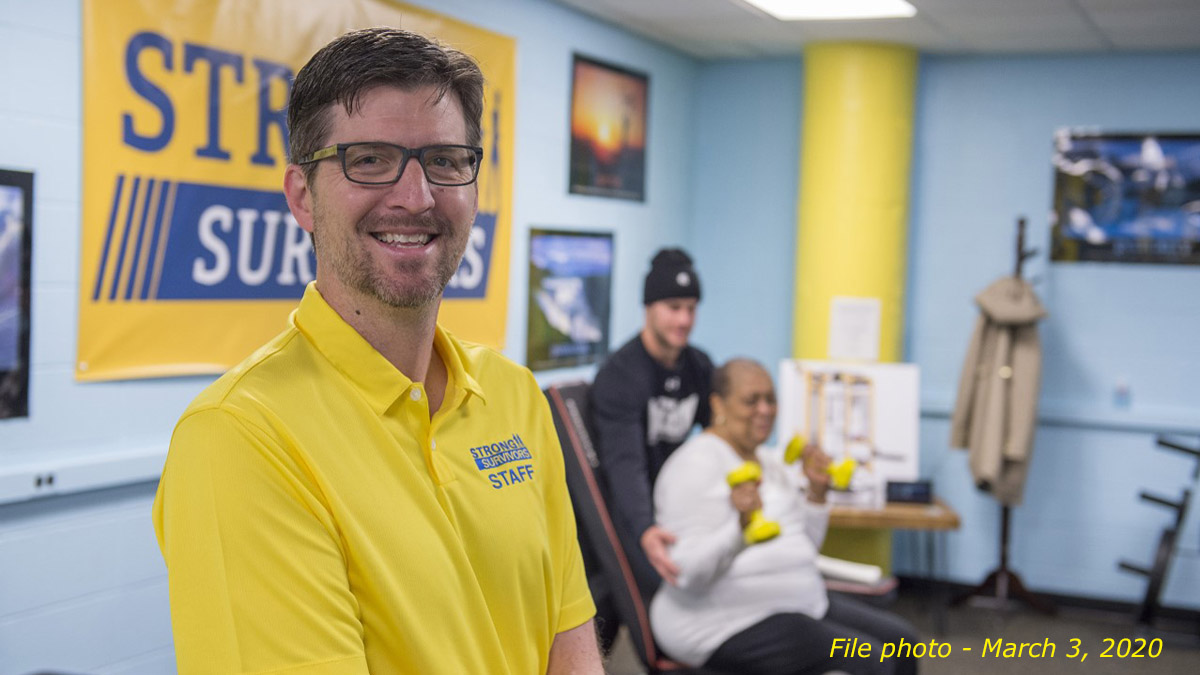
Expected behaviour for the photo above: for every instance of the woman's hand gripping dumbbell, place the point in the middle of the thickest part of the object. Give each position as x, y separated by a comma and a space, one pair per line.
818, 468
743, 483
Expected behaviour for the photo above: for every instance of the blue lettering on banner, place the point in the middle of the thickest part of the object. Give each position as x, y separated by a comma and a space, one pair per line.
268, 116
234, 244
152, 93
170, 240
215, 62
471, 279
186, 241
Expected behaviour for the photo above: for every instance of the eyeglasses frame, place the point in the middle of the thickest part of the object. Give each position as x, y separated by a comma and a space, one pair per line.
339, 151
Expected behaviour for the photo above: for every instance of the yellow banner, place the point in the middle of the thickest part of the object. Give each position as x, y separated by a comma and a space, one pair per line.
190, 257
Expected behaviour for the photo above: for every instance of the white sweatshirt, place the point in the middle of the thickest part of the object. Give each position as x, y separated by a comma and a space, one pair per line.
724, 585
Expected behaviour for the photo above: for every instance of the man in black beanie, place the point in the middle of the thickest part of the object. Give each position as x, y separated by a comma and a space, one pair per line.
645, 400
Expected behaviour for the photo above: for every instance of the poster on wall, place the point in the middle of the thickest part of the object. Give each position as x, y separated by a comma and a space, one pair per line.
190, 258
608, 130
1132, 198
16, 244
570, 287
868, 412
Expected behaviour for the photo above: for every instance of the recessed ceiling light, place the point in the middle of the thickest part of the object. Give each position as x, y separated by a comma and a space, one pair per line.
816, 10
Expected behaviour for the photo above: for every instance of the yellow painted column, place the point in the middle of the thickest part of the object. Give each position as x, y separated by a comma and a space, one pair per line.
856, 147
852, 216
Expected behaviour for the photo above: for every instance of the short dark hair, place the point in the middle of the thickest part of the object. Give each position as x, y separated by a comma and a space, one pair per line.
722, 377
341, 71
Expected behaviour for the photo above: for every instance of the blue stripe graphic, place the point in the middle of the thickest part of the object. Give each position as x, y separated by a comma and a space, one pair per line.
137, 260
215, 235
112, 221
154, 262
133, 197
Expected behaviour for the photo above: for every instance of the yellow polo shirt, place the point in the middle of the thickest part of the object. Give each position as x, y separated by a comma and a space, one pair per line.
315, 520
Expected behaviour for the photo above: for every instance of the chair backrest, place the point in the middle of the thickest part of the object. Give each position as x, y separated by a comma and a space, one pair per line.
568, 404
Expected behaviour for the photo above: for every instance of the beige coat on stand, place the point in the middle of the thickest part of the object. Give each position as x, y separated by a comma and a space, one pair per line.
995, 414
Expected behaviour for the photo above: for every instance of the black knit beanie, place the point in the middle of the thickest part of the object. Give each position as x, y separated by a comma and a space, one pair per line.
671, 276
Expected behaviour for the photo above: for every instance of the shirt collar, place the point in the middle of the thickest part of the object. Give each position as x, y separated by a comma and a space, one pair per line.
377, 379
458, 363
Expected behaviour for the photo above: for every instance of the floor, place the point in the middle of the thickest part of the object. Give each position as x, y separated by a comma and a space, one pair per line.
972, 626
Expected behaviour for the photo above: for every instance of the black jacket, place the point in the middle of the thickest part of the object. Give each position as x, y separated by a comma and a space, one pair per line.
641, 411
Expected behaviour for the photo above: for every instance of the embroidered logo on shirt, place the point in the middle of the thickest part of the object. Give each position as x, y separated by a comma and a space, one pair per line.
497, 455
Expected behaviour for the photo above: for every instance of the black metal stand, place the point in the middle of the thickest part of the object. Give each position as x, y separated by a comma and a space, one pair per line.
1003, 583
1156, 575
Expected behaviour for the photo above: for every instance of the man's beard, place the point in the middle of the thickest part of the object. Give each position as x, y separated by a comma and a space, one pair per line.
664, 341
393, 287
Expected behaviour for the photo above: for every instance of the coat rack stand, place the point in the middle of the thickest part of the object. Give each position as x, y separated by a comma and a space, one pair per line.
1002, 583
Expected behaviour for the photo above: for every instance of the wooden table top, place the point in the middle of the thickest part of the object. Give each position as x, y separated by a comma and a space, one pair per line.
897, 516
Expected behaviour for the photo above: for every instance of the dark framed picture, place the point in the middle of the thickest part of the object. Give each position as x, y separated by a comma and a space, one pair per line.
608, 130
16, 244
1132, 197
570, 288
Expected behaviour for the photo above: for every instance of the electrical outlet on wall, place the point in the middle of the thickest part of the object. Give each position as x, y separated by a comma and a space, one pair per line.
1122, 394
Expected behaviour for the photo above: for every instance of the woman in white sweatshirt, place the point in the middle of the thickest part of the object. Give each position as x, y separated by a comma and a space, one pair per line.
755, 608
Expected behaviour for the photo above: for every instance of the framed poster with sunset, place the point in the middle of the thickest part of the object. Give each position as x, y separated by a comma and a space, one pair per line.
608, 130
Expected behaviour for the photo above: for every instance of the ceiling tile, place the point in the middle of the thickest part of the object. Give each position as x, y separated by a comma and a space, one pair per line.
1119, 21
664, 10
729, 29
1133, 5
1005, 22
935, 6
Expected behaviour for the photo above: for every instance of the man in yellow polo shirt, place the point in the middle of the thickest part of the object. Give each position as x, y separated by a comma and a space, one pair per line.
366, 493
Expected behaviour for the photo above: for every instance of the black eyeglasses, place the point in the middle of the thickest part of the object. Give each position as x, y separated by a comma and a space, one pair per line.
377, 163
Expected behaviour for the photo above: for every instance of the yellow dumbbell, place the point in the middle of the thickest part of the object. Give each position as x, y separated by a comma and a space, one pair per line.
840, 472
795, 449
759, 529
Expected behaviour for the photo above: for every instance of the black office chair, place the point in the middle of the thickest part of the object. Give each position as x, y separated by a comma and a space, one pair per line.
615, 575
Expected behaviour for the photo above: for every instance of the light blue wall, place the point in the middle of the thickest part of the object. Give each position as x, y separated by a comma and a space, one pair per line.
547, 35
981, 158
81, 584
40, 53
743, 215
